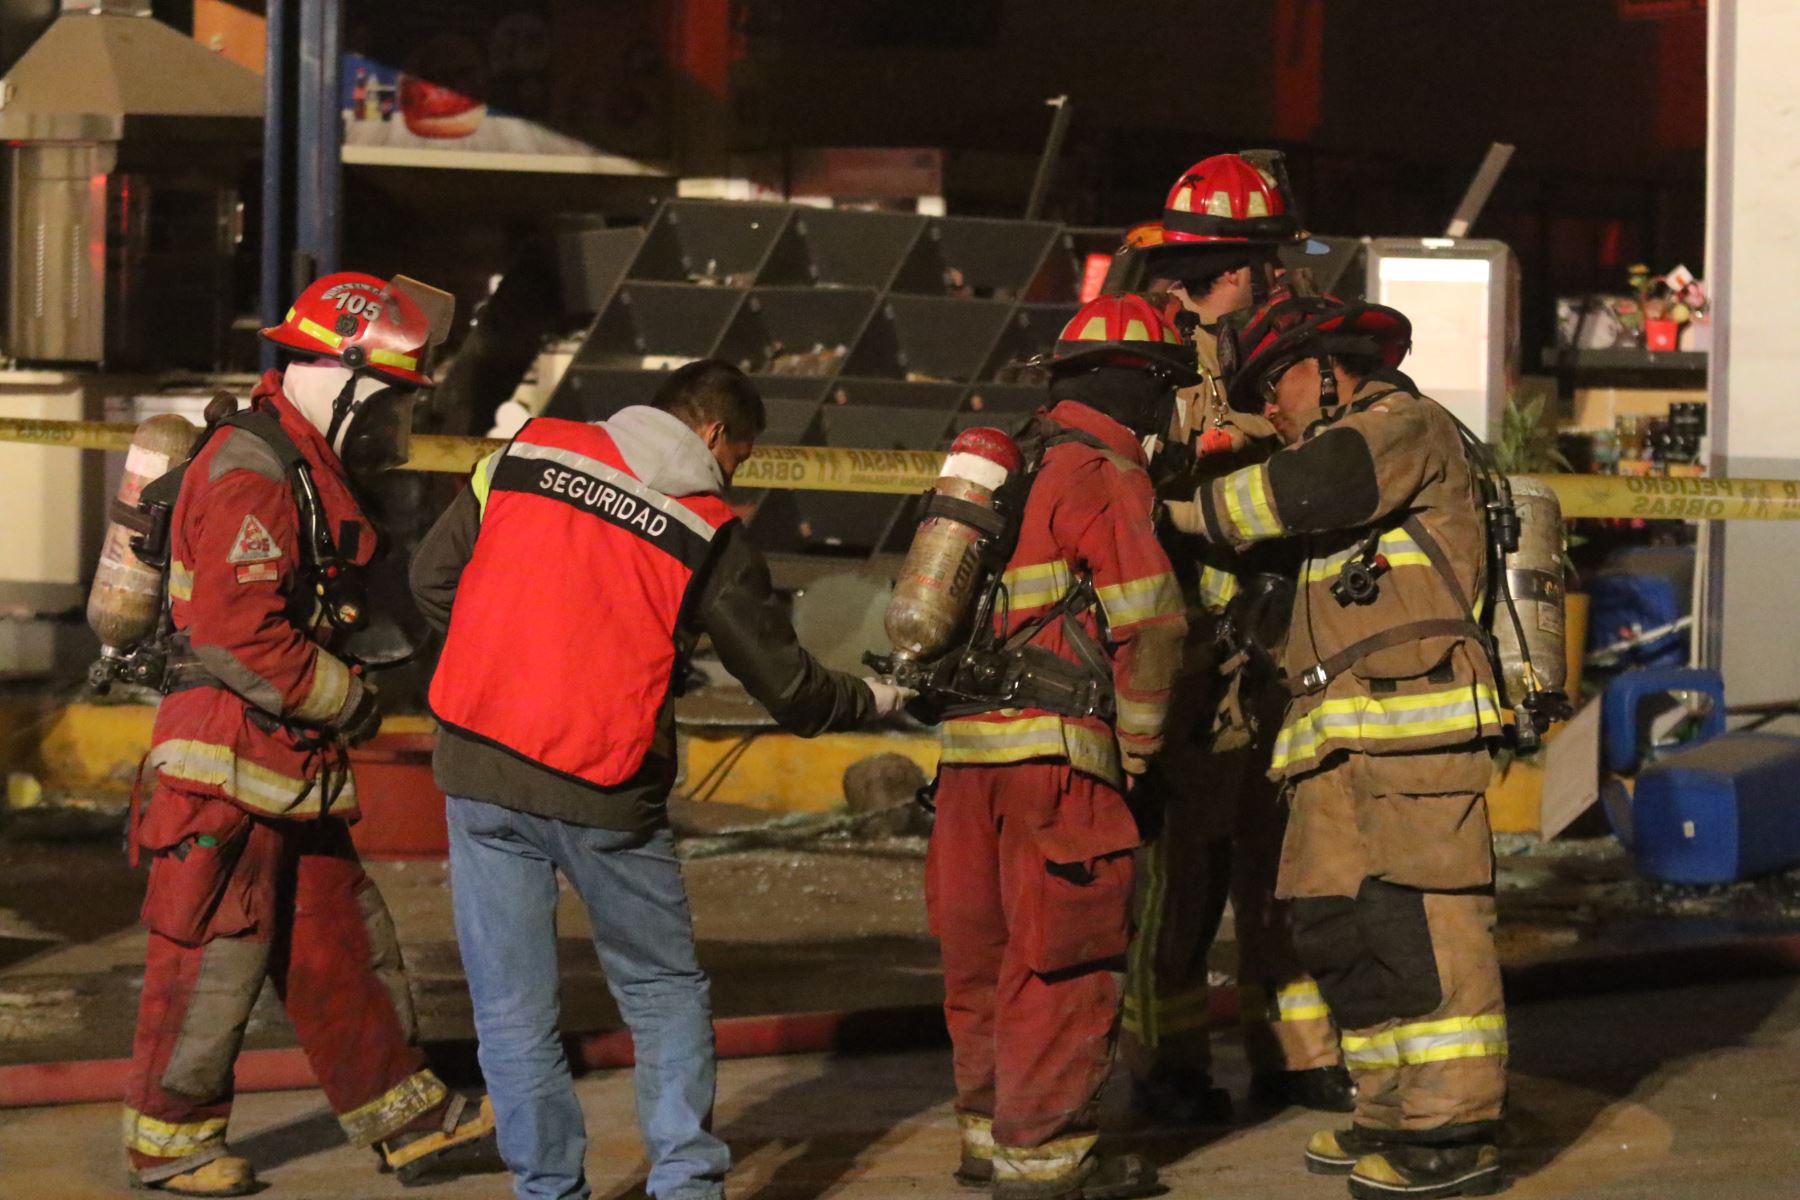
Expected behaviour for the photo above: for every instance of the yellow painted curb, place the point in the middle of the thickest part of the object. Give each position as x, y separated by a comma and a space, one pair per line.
782, 773
88, 744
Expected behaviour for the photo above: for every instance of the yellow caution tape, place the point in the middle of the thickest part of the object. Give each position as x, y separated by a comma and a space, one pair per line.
904, 472
1658, 498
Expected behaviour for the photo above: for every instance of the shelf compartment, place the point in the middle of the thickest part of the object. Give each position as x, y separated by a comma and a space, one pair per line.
716, 240
842, 248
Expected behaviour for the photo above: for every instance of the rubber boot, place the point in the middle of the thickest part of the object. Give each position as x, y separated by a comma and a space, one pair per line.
1322, 1089
1100, 1177
1426, 1172
1337, 1151
974, 1172
464, 1134
225, 1176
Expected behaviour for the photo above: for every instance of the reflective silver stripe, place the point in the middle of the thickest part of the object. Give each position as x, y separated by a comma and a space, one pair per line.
1247, 504
1139, 599
1036, 586
1469, 708
1424, 1042
1217, 587
618, 479
1142, 717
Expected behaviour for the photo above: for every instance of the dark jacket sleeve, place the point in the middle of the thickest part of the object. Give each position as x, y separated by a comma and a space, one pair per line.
750, 629
438, 563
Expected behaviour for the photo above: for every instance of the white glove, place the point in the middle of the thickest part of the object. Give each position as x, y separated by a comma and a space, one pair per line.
890, 698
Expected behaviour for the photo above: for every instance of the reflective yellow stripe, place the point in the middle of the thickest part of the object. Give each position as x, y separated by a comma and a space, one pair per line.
1217, 587
1139, 600
1427, 1042
394, 1109
1036, 586
1141, 717
181, 581
1047, 1162
1470, 708
1092, 751
330, 688
977, 1135
1396, 545
1296, 1001
314, 329
393, 358
483, 479
1247, 503
244, 781
168, 1139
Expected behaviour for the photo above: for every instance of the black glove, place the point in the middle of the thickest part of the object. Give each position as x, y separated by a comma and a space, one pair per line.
364, 721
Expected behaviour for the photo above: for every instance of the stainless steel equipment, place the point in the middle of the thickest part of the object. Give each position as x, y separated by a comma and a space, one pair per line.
124, 145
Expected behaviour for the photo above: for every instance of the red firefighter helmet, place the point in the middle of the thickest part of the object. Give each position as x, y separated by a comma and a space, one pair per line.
1276, 335
365, 323
1124, 331
1226, 200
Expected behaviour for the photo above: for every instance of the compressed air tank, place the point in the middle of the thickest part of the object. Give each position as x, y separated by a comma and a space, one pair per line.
1534, 575
943, 566
122, 607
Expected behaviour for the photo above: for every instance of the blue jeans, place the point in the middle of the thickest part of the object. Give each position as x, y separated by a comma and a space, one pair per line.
503, 867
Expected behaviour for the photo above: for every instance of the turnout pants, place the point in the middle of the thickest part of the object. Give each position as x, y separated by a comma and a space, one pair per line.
1389, 862
232, 900
1220, 839
1028, 887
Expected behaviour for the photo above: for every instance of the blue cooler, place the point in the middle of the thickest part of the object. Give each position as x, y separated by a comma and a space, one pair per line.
1718, 811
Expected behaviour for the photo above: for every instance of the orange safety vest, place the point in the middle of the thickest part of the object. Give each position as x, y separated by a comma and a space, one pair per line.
561, 647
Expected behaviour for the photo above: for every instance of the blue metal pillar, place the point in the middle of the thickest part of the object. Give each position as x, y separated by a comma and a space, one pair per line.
274, 156
318, 142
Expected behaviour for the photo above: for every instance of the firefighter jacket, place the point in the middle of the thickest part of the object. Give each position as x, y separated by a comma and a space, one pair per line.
257, 730
1089, 514
1383, 481
571, 603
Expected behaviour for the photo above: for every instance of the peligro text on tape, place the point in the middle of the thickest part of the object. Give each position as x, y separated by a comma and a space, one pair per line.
1658, 498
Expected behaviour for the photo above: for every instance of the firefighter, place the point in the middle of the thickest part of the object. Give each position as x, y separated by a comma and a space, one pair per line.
252, 873
557, 753
1383, 748
1216, 249
1029, 874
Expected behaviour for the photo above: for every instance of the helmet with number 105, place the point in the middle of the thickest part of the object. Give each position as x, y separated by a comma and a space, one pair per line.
366, 323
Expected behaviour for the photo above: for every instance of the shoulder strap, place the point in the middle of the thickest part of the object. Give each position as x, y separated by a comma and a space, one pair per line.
1315, 678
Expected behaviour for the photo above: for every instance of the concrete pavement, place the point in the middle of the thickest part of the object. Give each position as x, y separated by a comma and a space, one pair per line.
1681, 1094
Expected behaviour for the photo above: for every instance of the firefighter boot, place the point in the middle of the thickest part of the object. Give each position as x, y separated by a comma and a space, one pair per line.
228, 1175
1322, 1089
975, 1169
1100, 1177
1337, 1151
413, 1155
1426, 1172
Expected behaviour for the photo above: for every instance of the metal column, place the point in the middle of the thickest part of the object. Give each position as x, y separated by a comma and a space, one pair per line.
318, 142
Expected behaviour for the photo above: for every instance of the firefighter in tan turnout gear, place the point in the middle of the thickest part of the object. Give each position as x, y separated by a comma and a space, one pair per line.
1384, 745
1214, 251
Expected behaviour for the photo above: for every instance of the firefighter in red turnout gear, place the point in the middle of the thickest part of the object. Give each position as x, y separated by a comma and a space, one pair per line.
1029, 875
252, 874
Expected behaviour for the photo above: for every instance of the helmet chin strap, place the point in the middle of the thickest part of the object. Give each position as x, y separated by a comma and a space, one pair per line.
328, 395
1328, 388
